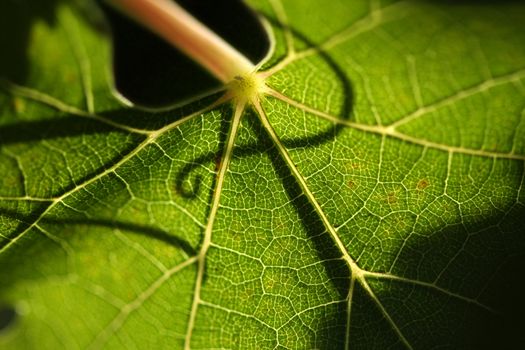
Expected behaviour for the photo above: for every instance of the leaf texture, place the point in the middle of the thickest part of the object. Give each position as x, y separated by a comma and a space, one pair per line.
372, 200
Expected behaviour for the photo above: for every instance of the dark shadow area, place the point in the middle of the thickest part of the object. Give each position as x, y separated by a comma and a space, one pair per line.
34, 131
143, 230
499, 259
7, 317
149, 71
505, 330
488, 266
16, 21
235, 22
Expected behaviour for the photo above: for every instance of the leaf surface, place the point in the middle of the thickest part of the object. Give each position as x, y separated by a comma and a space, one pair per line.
373, 200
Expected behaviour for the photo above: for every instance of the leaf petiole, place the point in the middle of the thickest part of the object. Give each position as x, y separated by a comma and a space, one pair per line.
170, 21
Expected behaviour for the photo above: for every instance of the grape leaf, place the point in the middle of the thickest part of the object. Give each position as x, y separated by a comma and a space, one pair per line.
373, 199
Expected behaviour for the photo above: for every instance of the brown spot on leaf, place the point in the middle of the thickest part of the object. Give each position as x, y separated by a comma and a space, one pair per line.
218, 161
19, 105
391, 198
422, 184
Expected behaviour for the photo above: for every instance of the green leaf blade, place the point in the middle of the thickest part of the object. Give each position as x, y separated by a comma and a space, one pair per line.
375, 201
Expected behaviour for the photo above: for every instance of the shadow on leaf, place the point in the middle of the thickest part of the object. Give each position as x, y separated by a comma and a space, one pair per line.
148, 231
17, 19
482, 260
